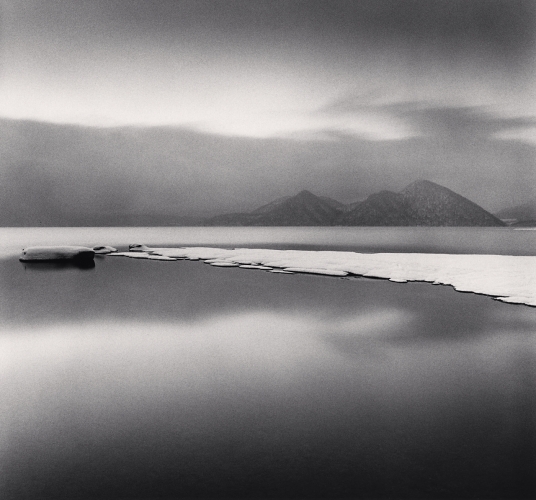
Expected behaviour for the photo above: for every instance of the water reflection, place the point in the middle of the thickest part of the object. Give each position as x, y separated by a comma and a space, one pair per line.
263, 403
59, 265
176, 379
127, 289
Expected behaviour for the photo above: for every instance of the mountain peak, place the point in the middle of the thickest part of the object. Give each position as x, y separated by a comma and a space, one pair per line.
524, 214
423, 184
431, 204
421, 203
305, 194
304, 209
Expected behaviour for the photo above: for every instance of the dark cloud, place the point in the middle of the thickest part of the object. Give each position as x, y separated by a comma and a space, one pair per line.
503, 29
499, 23
354, 102
464, 123
449, 122
455, 47
458, 123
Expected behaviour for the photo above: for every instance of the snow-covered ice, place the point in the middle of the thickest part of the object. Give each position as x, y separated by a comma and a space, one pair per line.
45, 253
104, 249
254, 266
506, 278
219, 263
311, 270
140, 255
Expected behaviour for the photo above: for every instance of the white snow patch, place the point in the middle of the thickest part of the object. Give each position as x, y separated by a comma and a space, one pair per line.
253, 266
310, 270
133, 255
140, 255
508, 278
104, 249
135, 247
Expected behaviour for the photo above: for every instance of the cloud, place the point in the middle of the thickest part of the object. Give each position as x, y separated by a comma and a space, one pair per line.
426, 118
459, 123
365, 114
171, 61
527, 135
354, 102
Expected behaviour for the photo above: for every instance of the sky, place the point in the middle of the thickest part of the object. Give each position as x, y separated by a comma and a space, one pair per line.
461, 73
266, 67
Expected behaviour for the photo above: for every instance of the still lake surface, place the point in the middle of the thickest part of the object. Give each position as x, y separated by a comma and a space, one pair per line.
148, 379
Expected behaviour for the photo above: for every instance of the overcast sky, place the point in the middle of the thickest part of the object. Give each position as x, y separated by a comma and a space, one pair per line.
363, 77
266, 67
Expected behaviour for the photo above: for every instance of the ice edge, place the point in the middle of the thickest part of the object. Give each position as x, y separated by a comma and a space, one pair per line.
509, 279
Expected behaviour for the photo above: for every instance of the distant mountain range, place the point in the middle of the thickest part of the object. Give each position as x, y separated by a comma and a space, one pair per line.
67, 175
520, 215
304, 209
422, 203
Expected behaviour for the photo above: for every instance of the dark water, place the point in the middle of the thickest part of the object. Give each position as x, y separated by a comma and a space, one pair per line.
143, 379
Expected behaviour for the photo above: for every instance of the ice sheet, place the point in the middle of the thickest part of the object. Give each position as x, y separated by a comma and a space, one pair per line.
507, 278
140, 255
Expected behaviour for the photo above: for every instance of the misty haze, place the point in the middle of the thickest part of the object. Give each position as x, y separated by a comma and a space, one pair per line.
66, 175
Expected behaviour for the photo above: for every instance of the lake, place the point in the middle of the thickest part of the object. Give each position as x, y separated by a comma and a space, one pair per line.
148, 379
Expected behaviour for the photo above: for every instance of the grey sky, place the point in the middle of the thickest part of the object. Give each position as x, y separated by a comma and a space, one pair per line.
343, 97
256, 67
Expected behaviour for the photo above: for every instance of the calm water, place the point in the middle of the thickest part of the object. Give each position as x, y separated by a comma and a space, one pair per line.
143, 379
502, 241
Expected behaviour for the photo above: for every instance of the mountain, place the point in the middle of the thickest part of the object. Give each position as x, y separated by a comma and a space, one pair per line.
335, 204
63, 175
270, 206
435, 205
304, 209
385, 208
523, 215
422, 203
72, 175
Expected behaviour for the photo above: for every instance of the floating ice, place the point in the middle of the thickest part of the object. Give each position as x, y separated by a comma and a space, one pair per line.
49, 253
133, 255
507, 278
135, 247
140, 255
219, 263
103, 249
309, 270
